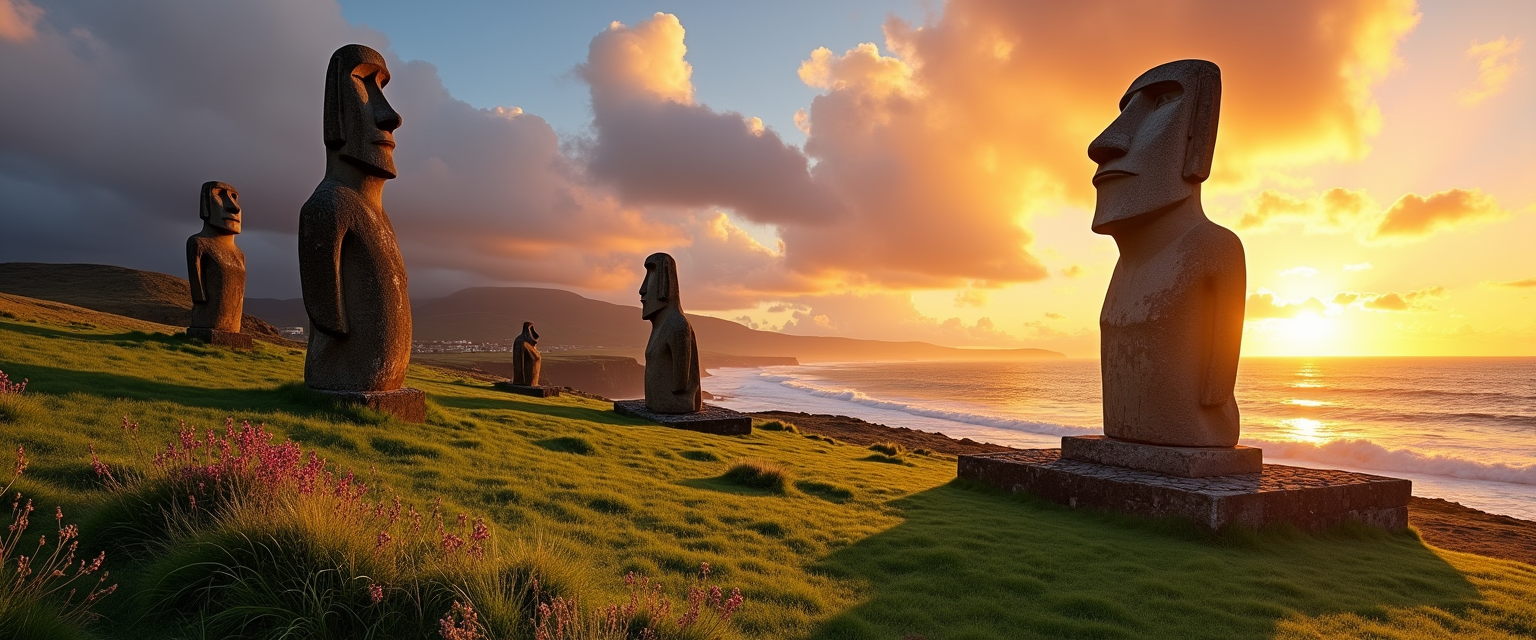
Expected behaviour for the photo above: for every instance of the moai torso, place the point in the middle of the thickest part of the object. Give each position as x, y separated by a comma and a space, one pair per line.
1159, 335
216, 273
672, 365
526, 362
355, 292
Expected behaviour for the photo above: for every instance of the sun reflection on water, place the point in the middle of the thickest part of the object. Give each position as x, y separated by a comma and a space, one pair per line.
1306, 429
1308, 403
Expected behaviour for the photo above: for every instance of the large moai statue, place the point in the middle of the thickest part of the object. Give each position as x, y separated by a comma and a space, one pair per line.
1172, 322
353, 277
216, 269
672, 353
525, 357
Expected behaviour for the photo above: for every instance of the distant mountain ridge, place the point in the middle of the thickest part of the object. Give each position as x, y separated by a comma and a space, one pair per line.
480, 314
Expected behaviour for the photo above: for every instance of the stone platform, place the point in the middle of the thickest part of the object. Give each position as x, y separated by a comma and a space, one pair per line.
407, 404
713, 419
537, 391
227, 339
1310, 499
1185, 462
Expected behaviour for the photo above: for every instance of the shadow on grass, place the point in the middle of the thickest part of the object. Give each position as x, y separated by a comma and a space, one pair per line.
293, 398
976, 563
722, 485
601, 416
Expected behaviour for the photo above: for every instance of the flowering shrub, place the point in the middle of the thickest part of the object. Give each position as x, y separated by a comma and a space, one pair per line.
50, 574
9, 388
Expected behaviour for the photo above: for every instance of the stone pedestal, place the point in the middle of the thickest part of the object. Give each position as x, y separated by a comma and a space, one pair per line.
1310, 499
711, 419
537, 391
407, 404
224, 339
1185, 462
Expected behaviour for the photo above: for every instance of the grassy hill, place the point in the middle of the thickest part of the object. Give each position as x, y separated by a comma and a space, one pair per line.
833, 541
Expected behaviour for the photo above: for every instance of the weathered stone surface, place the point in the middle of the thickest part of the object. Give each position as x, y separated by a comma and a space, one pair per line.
1185, 462
1310, 499
525, 357
537, 391
219, 338
215, 265
407, 404
353, 277
672, 353
1172, 323
709, 419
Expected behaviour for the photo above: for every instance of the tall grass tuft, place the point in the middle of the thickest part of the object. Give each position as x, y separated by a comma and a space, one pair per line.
892, 449
778, 425
47, 587
758, 474
15, 405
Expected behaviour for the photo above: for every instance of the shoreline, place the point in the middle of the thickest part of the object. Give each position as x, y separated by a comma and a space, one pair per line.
1442, 523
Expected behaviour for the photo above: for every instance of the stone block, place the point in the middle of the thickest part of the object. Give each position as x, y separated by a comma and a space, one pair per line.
710, 419
1185, 462
407, 404
226, 339
1310, 499
537, 391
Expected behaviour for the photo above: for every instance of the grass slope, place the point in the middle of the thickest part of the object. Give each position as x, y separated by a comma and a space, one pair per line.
848, 547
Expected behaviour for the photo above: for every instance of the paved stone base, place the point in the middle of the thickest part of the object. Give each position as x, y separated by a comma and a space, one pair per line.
540, 391
407, 404
713, 419
222, 338
1185, 462
1310, 499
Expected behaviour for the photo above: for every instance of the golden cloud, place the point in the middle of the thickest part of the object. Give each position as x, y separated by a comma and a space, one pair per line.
1527, 283
1496, 64
1333, 211
1417, 300
1263, 304
1413, 216
643, 61
18, 20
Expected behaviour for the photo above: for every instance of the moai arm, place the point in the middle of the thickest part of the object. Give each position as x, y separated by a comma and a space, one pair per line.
195, 272
682, 358
1228, 287
323, 269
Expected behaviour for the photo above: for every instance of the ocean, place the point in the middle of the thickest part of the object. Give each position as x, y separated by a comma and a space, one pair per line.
1462, 429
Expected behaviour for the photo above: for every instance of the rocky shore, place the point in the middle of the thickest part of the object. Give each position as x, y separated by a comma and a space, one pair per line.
1442, 523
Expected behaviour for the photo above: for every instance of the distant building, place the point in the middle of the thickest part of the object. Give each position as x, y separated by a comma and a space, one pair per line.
292, 333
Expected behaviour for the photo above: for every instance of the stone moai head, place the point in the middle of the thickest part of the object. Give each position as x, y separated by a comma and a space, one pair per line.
219, 206
659, 291
1157, 152
529, 331
359, 123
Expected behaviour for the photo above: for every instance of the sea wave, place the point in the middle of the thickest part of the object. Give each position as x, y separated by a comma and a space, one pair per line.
1350, 453
1364, 454
952, 415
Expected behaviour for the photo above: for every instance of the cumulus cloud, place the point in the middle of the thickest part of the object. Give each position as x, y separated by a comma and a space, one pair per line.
1336, 210
655, 145
111, 126
1413, 216
1417, 300
1496, 64
1263, 304
971, 298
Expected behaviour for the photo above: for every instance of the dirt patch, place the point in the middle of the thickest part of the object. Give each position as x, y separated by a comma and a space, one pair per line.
1442, 523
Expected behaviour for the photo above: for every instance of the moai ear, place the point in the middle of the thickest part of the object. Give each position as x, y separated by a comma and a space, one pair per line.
203, 208
334, 129
1203, 90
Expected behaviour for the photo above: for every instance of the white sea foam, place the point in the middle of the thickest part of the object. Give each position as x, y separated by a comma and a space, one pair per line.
1364, 454
927, 411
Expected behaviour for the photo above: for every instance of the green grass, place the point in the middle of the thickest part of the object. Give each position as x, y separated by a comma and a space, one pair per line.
580, 496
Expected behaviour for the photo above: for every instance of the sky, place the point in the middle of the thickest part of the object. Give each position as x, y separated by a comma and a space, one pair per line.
889, 170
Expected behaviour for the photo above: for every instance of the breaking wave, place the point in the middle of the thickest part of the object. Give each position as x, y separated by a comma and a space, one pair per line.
1364, 454
967, 417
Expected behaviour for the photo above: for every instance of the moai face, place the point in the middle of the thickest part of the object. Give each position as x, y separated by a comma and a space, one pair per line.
220, 207
360, 123
1157, 152
659, 290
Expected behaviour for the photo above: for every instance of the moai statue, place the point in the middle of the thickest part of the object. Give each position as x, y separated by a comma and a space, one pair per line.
672, 354
353, 277
1172, 322
216, 269
525, 357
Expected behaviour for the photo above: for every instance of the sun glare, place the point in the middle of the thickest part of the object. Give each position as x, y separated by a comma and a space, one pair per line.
1307, 334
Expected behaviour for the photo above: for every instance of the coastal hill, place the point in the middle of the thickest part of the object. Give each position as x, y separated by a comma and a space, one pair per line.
142, 295
496, 314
